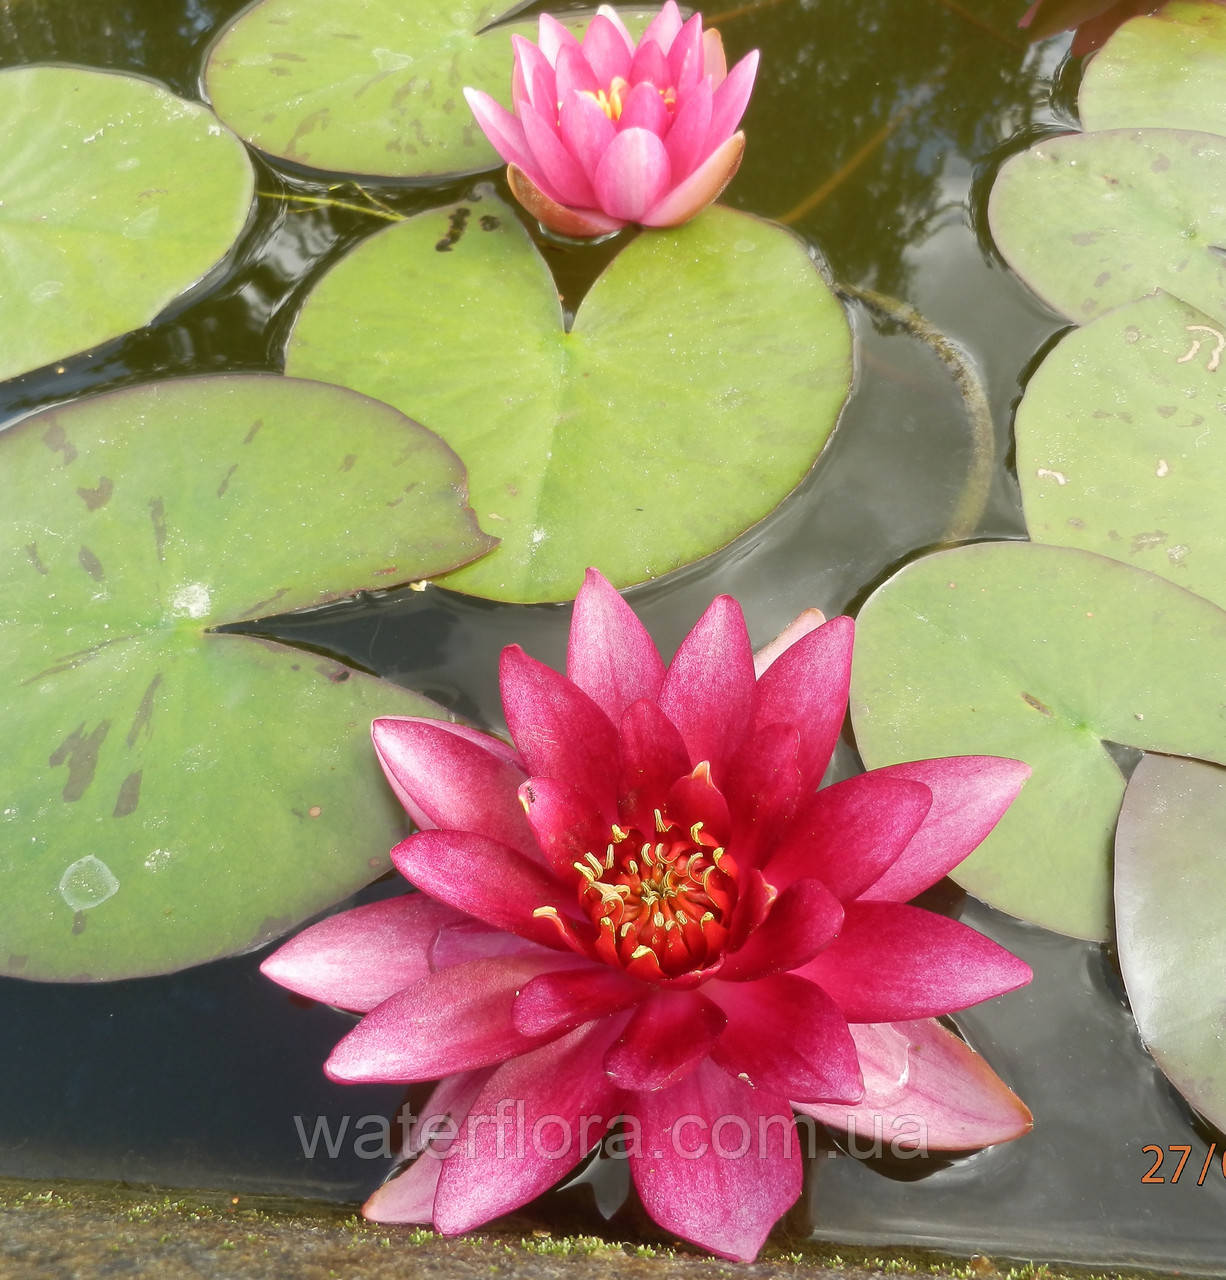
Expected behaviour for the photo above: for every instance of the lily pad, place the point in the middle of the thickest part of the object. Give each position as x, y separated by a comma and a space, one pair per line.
1164, 72
1094, 220
117, 196
1044, 654
1170, 864
1121, 442
371, 88
171, 795
703, 373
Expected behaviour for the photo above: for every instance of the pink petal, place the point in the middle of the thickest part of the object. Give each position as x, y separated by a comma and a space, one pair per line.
409, 1196
614, 17
536, 76
787, 1036
764, 786
893, 962
565, 825
532, 1122
807, 687
714, 62
445, 779
482, 878
848, 834
587, 133
666, 1038
559, 1002
504, 131
731, 99
468, 939
685, 56
643, 108
708, 690
692, 196
632, 175
925, 1090
610, 655
663, 28
695, 798
686, 140
560, 732
605, 50
651, 758
576, 223
573, 75
969, 796
802, 921
552, 36
561, 171
726, 1203
357, 959
797, 629
453, 1020
650, 65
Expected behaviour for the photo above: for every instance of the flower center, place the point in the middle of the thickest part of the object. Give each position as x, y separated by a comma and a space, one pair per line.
661, 901
612, 100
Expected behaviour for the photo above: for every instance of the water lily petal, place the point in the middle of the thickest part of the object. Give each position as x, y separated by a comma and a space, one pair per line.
763, 789
574, 75
610, 655
799, 627
686, 141
614, 17
714, 61
564, 824
467, 939
632, 175
587, 132
560, 732
692, 196
504, 130
561, 171
926, 1090
535, 86
546, 209
685, 55
708, 690
787, 1036
552, 36
892, 962
802, 921
482, 878
452, 1020
651, 757
807, 687
359, 958
724, 1202
667, 1036
447, 779
663, 28
536, 1117
695, 798
605, 50
643, 108
849, 833
732, 97
559, 1002
969, 796
650, 64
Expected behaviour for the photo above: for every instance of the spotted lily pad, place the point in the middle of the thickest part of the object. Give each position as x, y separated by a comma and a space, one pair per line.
1121, 442
1170, 861
703, 373
1045, 654
371, 88
1165, 71
1094, 220
115, 197
172, 795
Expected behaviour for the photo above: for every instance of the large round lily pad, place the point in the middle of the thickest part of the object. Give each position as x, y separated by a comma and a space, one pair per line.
703, 373
115, 196
1170, 872
171, 795
371, 88
1094, 220
1164, 71
1043, 654
1121, 442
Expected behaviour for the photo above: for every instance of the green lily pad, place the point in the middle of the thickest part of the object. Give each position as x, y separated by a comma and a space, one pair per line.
116, 196
703, 373
1121, 443
171, 795
1167, 71
1170, 868
1094, 220
371, 88
1043, 654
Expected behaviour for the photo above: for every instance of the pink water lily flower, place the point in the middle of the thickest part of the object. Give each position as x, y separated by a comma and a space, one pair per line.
608, 132
646, 909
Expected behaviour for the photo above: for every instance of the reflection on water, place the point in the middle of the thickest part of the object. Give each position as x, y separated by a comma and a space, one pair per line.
868, 124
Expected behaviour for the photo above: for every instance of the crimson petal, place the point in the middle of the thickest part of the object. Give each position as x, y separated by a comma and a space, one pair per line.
652, 757
893, 962
667, 1036
763, 788
558, 1002
802, 921
564, 824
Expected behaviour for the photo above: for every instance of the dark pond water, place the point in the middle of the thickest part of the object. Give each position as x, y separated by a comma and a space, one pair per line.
874, 131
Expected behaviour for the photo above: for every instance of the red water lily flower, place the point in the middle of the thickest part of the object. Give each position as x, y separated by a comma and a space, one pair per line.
608, 132
646, 909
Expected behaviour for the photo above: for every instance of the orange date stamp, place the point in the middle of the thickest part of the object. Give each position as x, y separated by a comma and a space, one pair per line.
1183, 1151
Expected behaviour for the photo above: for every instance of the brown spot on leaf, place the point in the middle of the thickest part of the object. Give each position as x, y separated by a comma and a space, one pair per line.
129, 795
157, 514
17, 962
79, 751
455, 229
144, 712
489, 222
253, 430
98, 497
314, 811
32, 552
91, 564
225, 480
349, 460
1041, 707
78, 922
55, 440
1147, 541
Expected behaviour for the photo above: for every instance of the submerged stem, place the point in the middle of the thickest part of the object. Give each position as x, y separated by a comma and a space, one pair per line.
375, 210
974, 497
